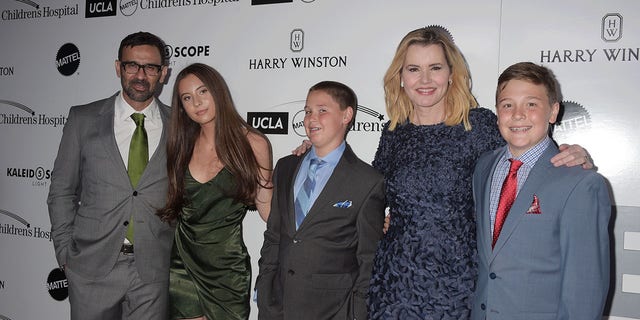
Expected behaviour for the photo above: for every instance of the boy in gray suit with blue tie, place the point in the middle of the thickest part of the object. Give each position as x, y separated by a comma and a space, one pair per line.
542, 231
327, 213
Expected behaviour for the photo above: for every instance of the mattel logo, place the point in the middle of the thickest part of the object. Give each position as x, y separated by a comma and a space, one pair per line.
68, 59
258, 2
100, 8
57, 284
269, 122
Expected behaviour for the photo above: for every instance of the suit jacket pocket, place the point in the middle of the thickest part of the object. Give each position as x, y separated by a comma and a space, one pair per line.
86, 228
331, 281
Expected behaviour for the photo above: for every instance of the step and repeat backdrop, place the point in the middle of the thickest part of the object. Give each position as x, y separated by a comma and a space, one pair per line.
59, 53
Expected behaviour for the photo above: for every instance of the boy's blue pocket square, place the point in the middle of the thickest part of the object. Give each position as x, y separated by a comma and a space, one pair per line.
343, 204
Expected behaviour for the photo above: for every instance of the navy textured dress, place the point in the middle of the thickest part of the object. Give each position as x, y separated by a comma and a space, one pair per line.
425, 266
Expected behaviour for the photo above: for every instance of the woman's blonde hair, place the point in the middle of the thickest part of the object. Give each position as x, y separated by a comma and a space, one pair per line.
458, 99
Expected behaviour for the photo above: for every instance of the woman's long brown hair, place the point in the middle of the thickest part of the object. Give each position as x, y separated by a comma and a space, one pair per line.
232, 145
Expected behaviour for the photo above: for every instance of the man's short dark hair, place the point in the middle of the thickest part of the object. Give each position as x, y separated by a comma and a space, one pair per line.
143, 38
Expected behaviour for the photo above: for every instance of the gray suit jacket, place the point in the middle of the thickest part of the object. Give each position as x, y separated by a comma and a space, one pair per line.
548, 265
321, 270
91, 198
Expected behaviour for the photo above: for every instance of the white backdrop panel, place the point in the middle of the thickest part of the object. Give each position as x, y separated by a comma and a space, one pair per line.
239, 39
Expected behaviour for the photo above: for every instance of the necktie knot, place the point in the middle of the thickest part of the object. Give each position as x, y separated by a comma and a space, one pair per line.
515, 165
310, 182
314, 165
138, 118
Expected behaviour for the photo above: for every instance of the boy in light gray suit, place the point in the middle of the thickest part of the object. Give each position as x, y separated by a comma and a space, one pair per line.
544, 255
327, 213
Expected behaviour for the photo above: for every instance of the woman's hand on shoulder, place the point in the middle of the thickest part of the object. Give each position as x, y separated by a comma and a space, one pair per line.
302, 148
387, 223
573, 155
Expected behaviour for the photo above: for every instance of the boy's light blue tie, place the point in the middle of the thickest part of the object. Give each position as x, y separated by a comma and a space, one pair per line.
303, 200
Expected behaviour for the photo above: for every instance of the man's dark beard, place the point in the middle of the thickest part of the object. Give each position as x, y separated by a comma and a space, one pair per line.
137, 95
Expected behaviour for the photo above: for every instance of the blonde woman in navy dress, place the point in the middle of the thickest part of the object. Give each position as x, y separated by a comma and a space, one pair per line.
425, 266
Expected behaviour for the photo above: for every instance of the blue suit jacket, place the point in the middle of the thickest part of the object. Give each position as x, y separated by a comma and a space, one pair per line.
550, 265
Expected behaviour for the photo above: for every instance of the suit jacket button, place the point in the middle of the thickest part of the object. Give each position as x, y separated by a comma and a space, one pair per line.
492, 275
483, 307
135, 193
126, 223
291, 272
296, 240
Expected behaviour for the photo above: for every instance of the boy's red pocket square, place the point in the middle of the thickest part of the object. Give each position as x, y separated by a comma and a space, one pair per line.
535, 206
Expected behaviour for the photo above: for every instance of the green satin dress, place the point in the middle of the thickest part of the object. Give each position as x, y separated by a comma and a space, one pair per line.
210, 267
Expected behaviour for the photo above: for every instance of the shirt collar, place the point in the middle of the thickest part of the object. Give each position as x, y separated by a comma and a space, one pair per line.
531, 156
123, 110
332, 158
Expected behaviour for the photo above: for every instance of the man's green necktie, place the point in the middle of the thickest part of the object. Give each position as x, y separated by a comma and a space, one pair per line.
138, 158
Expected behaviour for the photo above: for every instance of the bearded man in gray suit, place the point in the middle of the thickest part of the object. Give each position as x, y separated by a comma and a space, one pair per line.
107, 237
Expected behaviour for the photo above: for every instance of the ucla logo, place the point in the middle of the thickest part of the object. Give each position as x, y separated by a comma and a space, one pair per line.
269, 122
100, 8
297, 40
612, 27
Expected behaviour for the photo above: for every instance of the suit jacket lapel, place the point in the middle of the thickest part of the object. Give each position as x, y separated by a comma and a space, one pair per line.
106, 134
288, 184
484, 217
536, 178
155, 161
161, 150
